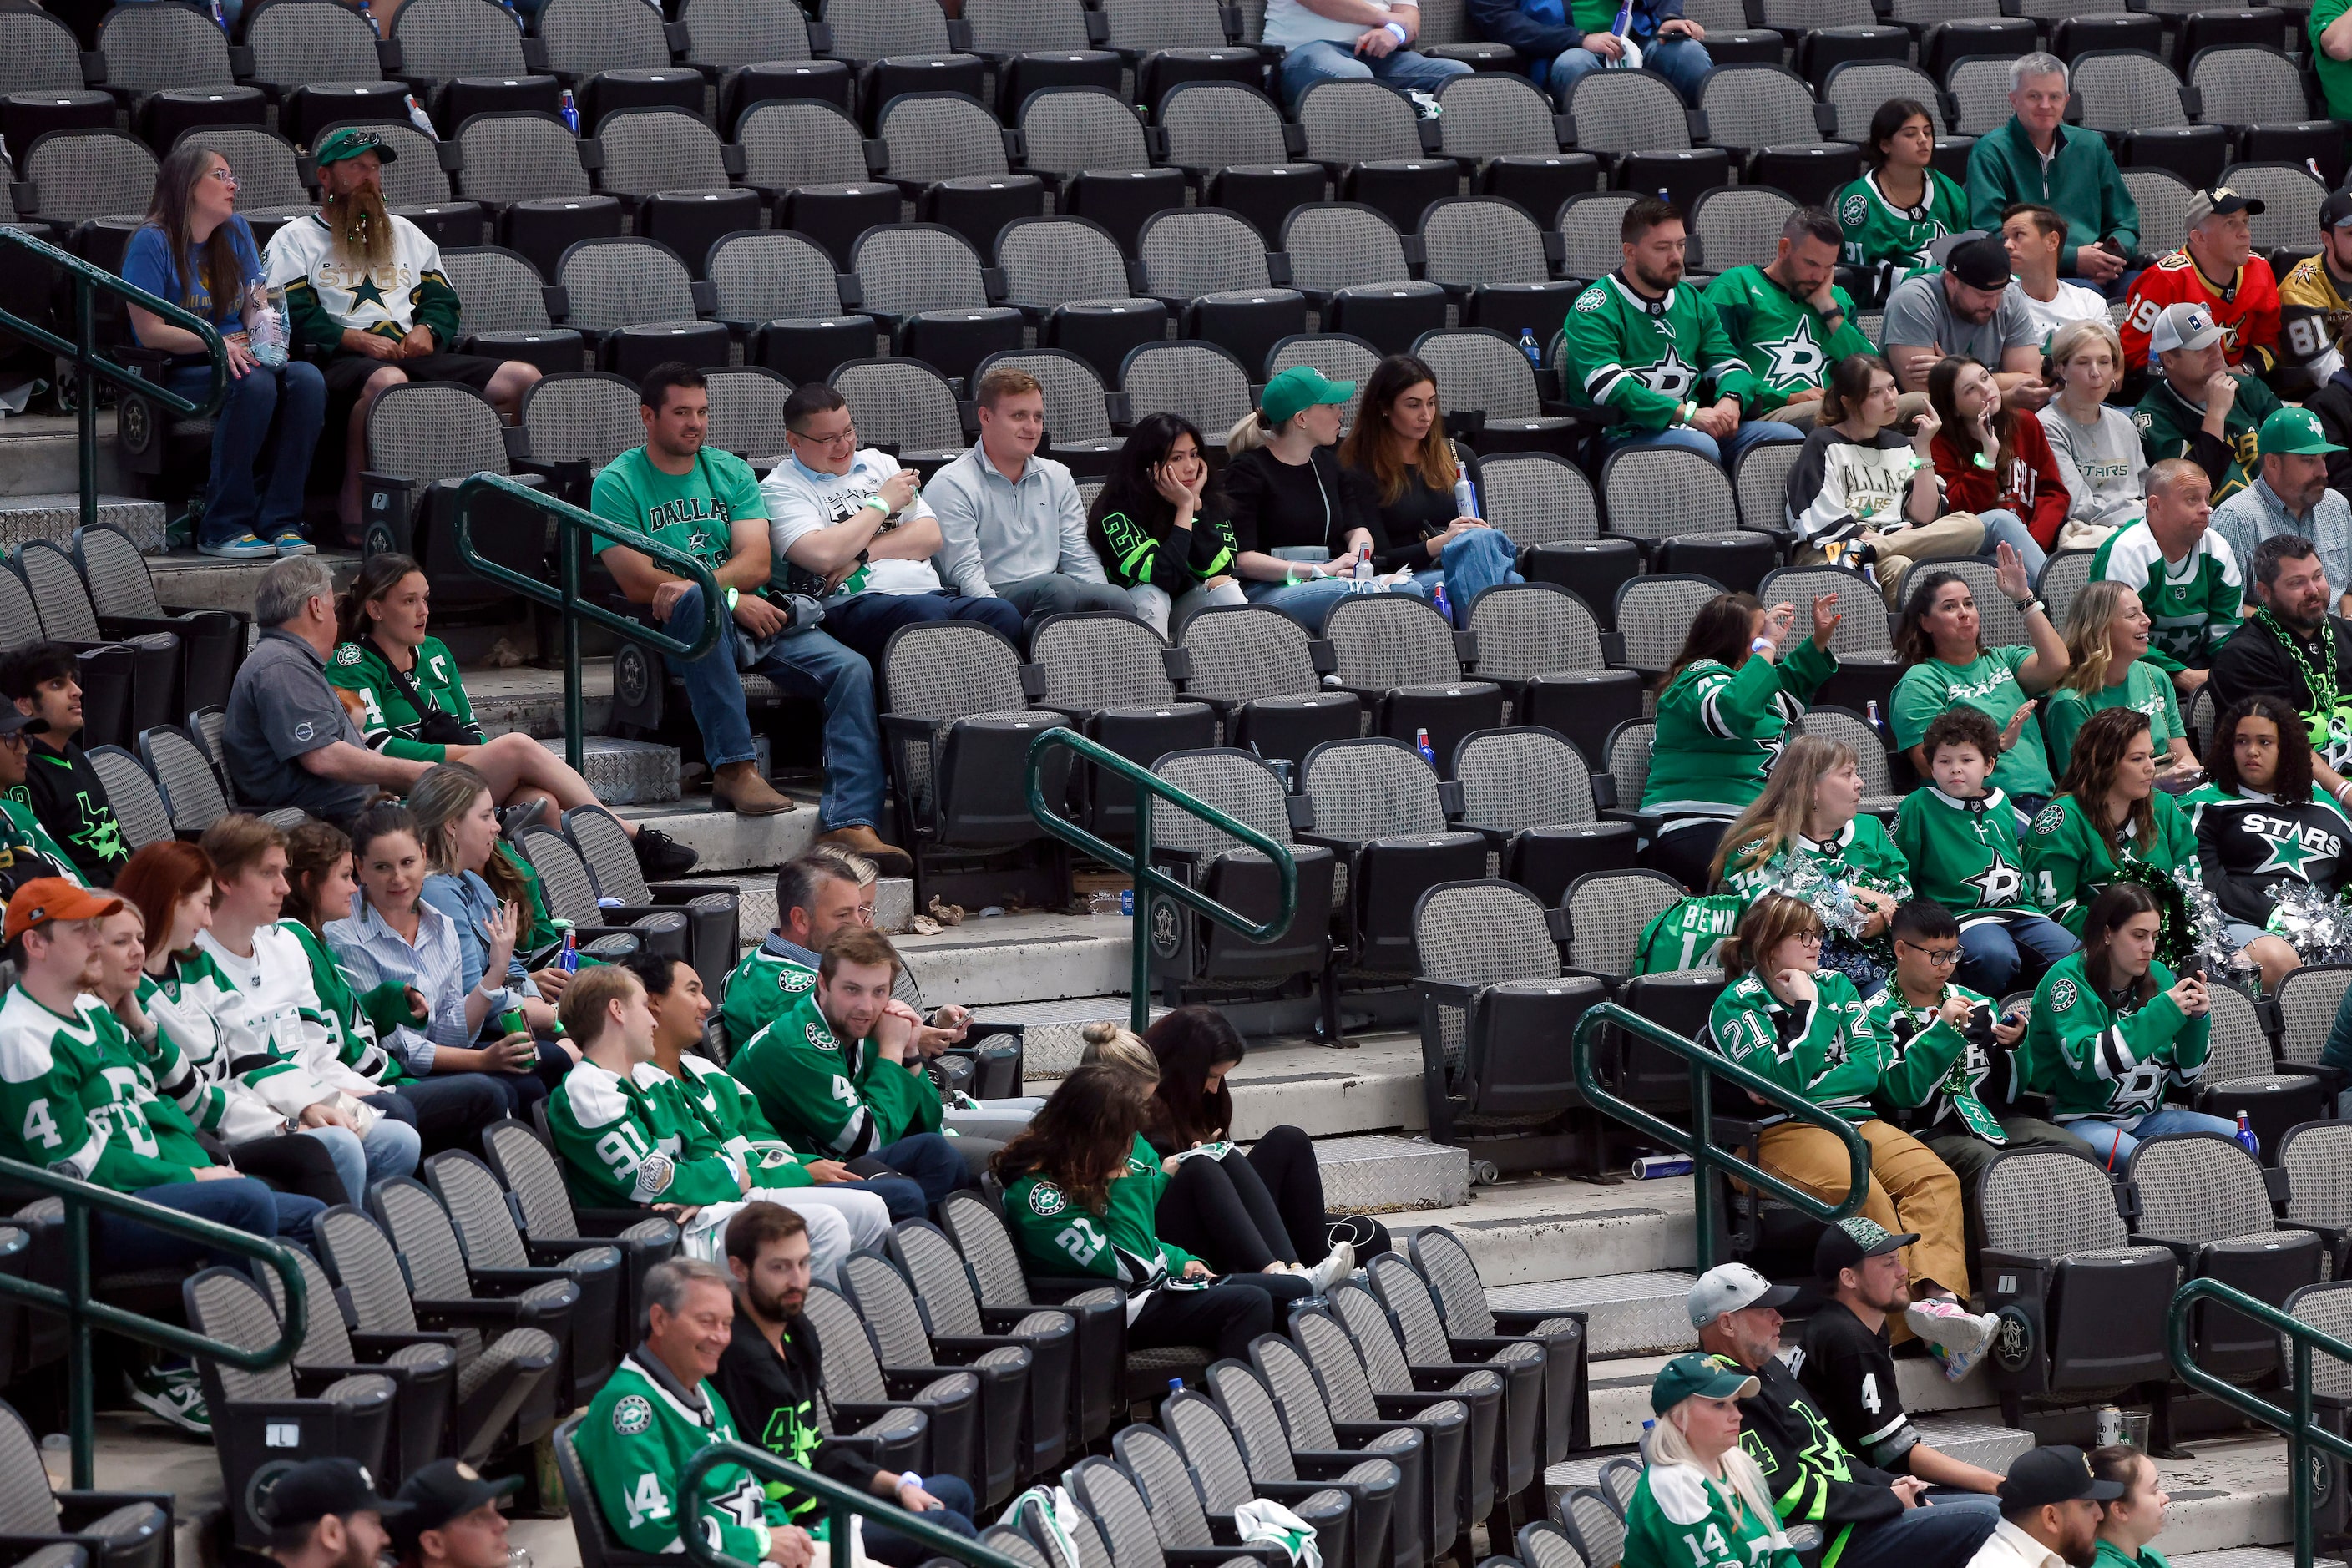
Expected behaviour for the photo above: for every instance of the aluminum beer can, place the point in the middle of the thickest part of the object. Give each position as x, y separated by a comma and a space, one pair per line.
2111, 1425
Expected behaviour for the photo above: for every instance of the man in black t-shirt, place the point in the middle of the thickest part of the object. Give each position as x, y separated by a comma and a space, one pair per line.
1844, 1363
63, 791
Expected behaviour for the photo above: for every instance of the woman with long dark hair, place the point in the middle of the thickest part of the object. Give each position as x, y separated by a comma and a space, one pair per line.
1159, 524
2262, 828
2113, 1025
1081, 1195
2108, 823
1995, 463
402, 687
195, 252
1902, 203
1940, 641
1400, 447
1740, 679
1279, 1186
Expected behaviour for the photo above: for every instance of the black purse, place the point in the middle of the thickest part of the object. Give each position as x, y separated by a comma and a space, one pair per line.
433, 727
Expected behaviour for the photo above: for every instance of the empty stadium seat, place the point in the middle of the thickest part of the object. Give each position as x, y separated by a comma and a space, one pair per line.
2260, 94
525, 169
672, 176
899, 49
1233, 143
1786, 140
907, 405
424, 438
758, 50
1529, 793
1232, 1469
616, 55
1210, 268
1489, 254
1402, 659
1350, 262
783, 293
2136, 97
635, 305
1684, 506
1379, 809
319, 62
1263, 674
924, 283
1637, 124
811, 154
948, 153
886, 1303
1066, 277
43, 84
1543, 645
1481, 372
2206, 1200
1097, 153
474, 60
503, 309
1169, 42
1503, 125
1370, 139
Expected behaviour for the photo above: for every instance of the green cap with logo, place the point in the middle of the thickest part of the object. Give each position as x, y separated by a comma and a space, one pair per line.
1698, 1376
2295, 431
1299, 388
350, 141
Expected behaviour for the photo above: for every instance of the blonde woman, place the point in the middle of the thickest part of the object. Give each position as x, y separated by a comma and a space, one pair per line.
2107, 642
1702, 1502
471, 881
2098, 448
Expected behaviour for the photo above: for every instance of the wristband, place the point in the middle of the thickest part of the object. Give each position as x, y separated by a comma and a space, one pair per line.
878, 504
732, 596
1683, 412
1762, 644
2338, 791
1398, 28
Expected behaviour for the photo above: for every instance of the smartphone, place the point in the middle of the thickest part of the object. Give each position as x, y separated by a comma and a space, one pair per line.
2193, 968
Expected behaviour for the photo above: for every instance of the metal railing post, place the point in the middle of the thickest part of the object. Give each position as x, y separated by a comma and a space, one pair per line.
86, 339
81, 1378
1140, 995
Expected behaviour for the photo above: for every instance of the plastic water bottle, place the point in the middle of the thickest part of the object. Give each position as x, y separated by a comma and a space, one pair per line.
1624, 22
1530, 347
2246, 1139
1429, 754
569, 111
265, 326
220, 20
422, 121
1363, 573
1877, 725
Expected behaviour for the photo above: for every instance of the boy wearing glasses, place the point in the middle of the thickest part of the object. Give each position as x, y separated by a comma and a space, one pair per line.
848, 526
1960, 837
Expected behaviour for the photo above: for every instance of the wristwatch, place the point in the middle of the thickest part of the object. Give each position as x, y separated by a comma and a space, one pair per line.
2027, 607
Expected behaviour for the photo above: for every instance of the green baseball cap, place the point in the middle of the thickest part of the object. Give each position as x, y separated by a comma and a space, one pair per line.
1301, 387
350, 141
2296, 431
1698, 1376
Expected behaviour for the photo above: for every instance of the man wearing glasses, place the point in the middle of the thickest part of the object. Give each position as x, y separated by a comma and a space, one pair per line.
849, 527
708, 504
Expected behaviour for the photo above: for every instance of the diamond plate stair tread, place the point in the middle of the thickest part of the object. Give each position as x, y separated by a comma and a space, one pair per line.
2250, 1557
1376, 1174
626, 773
1627, 1314
1973, 1442
1051, 1035
55, 514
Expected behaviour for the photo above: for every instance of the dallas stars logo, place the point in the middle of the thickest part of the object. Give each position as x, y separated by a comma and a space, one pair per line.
1797, 359
1999, 883
1672, 375
2288, 853
367, 291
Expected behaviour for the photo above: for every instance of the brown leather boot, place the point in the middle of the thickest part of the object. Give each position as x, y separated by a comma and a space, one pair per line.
889, 860
737, 787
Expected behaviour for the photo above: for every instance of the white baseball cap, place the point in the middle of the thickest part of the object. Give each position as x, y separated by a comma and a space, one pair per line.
1729, 1287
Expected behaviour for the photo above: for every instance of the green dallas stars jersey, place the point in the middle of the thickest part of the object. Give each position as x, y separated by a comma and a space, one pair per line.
1121, 1243
1720, 729
355, 1024
1825, 1052
1685, 933
1647, 358
623, 1146
2095, 1058
639, 1431
1786, 341
2070, 864
1860, 855
75, 1098
1677, 1514
761, 987
1964, 853
26, 850
729, 1112
1929, 1064
827, 1097
1878, 234
2194, 605
389, 721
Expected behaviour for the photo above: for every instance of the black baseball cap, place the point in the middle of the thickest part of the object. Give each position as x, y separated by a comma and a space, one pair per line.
1980, 264
2336, 211
2059, 1473
11, 721
1846, 1244
439, 1493
310, 1491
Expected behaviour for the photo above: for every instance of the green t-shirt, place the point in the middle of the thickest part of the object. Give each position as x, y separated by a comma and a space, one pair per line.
693, 511
2144, 689
1989, 683
2110, 1554
2336, 84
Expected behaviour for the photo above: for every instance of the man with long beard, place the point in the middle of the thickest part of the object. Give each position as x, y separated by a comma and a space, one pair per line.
365, 287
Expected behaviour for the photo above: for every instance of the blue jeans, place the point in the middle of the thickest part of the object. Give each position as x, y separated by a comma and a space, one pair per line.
2005, 526
390, 1150
807, 663
1680, 61
884, 1544
1304, 65
1475, 562
864, 621
257, 472
1996, 953
240, 1203
930, 1161
1727, 453
2114, 1146
902, 1196
1938, 1536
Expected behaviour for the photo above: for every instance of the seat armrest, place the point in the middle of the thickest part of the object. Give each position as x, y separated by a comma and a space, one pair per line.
366, 1345
962, 1349
820, 38
75, 1509
1050, 1290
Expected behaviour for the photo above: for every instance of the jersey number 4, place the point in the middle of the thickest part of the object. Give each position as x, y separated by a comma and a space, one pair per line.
40, 1127
646, 1500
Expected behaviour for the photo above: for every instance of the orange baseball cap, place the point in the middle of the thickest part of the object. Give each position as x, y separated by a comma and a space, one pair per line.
46, 899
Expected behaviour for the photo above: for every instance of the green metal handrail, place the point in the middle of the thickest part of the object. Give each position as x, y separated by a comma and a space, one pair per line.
2301, 1431
841, 1501
82, 1314
1147, 879
82, 349
1697, 1141
563, 594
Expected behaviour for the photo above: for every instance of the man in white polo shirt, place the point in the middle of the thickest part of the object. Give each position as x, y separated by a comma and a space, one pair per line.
1341, 40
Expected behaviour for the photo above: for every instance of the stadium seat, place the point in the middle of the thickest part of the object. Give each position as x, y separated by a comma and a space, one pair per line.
107, 1530
424, 440
553, 1228
1500, 127
672, 176
1353, 266
1199, 382
1381, 811
1169, 42
1529, 793
1210, 268
1098, 154
1828, 33
747, 413
1868, 667
1403, 661
1276, 1396
859, 1387
1263, 674
347, 1417
924, 283
592, 1532
1231, 1471
760, 51
1543, 645
1635, 123
616, 55
900, 48
170, 66
1738, 225
2149, 114
270, 192
67, 615
635, 305
1871, 757
1066, 277
712, 908
45, 86
1606, 911
1785, 138
504, 312
108, 672
907, 405
813, 154
2315, 1157
319, 62
1110, 1505
951, 1310
1441, 1311
1165, 1482
572, 896
1944, 42
986, 1250
781, 293
1336, 355
2163, 199
2308, 1000
2242, 1076
2063, 575
1446, 34
1481, 374
1369, 139
1318, 1345
1233, 143
2205, 1198
1854, 91
525, 169
193, 794
139, 810
2290, 198
1545, 503
72, 177
1977, 90
1594, 1523
2224, 27
1488, 254
1113, 679
474, 60
1733, 40
886, 1303
950, 156
122, 593
1683, 507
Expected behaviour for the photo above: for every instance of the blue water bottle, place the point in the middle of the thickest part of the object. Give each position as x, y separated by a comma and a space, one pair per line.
1530, 347
1428, 752
567, 960
2246, 1139
569, 111
1437, 597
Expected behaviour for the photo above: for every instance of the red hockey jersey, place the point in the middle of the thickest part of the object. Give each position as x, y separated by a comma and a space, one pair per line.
2247, 311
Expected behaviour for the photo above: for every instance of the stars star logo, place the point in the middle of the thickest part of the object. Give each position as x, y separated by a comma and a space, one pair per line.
1797, 359
1672, 375
1999, 883
368, 292
2288, 852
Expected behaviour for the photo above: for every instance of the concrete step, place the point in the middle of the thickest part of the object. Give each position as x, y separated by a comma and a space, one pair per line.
55, 514
1529, 1229
626, 773
1053, 1033
1381, 1174
1626, 1314
2251, 1557
42, 453
188, 581
1372, 1084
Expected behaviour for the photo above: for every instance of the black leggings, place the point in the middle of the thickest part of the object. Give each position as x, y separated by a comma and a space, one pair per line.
1239, 1216
1223, 1317
291, 1163
1686, 851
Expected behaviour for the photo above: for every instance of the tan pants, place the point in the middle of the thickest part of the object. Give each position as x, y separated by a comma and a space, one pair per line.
1910, 1191
1955, 536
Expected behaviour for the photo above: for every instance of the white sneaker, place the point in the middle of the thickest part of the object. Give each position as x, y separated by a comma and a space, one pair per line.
1338, 1266
1960, 1334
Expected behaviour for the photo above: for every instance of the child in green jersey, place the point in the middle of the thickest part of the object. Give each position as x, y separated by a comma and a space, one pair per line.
1701, 1501
2109, 823
2127, 1524
1808, 837
1960, 837
1903, 203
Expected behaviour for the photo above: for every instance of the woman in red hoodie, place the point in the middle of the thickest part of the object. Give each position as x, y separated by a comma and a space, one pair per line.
1995, 464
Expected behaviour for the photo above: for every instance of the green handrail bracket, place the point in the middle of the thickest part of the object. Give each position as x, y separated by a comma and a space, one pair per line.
82, 349
562, 595
2303, 1432
1697, 1141
841, 1502
1148, 879
82, 1314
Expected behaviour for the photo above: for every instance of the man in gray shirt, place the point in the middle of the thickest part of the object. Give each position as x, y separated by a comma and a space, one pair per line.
1014, 525
288, 740
1972, 307
2291, 497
